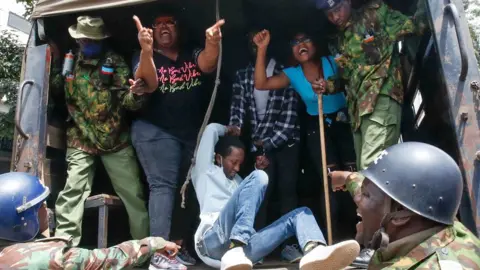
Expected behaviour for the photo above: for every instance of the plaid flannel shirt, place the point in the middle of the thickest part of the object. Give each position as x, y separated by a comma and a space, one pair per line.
279, 124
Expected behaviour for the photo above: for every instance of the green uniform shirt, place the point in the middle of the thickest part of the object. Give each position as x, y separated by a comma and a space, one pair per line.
97, 110
447, 248
367, 58
443, 249
58, 253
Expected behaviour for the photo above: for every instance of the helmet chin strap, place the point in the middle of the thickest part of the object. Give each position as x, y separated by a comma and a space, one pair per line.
381, 239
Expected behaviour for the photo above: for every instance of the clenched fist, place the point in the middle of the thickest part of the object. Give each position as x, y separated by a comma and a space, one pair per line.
262, 39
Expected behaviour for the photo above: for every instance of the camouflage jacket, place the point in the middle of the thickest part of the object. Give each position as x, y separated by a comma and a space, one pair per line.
366, 56
58, 253
441, 248
97, 110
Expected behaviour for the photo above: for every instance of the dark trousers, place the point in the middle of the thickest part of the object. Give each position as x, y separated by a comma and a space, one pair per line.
340, 155
161, 155
283, 175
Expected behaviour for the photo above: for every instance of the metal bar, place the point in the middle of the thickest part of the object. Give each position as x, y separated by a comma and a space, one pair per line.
461, 40
102, 226
18, 116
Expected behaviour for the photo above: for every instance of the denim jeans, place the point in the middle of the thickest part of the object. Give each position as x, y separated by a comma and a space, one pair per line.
160, 154
236, 219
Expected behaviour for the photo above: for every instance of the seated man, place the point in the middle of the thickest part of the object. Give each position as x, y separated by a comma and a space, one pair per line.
228, 206
22, 204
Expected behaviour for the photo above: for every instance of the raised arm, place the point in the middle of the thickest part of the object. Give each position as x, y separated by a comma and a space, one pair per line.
146, 69
206, 148
207, 60
277, 82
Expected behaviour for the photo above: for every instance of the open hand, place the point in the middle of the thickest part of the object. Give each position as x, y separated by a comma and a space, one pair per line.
214, 33
319, 86
145, 36
138, 86
262, 39
170, 249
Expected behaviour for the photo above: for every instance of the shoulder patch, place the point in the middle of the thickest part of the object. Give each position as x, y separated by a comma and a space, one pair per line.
450, 265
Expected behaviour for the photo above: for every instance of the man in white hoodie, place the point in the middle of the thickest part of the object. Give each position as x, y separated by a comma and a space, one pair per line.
228, 205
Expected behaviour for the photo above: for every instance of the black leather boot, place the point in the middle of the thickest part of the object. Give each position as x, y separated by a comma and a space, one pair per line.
363, 258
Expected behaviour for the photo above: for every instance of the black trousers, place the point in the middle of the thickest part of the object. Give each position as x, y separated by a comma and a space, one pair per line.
282, 186
340, 155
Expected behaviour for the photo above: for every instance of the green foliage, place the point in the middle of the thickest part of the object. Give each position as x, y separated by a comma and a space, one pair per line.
11, 54
476, 43
29, 5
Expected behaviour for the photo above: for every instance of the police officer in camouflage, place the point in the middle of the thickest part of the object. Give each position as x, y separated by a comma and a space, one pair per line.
22, 198
408, 199
97, 93
369, 65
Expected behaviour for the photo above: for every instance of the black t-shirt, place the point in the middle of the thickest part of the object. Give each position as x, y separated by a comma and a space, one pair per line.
176, 106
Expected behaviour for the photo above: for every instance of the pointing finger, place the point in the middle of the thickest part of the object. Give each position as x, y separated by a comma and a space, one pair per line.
220, 23
138, 23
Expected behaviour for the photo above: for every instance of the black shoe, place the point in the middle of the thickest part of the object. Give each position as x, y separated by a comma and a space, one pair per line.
363, 258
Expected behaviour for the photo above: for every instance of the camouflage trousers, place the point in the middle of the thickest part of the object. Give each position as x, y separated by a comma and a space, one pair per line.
122, 168
377, 131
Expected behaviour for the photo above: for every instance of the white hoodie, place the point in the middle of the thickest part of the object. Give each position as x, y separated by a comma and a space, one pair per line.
212, 187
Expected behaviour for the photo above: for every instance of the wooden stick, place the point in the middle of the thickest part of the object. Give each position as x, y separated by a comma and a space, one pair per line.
324, 168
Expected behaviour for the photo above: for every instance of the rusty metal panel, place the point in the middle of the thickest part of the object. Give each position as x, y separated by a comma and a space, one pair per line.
30, 135
461, 77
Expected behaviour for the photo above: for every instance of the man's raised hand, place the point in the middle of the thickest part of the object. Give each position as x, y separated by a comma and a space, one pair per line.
145, 36
214, 33
138, 87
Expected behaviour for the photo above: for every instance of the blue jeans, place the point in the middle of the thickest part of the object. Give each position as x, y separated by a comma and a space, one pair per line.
236, 219
160, 154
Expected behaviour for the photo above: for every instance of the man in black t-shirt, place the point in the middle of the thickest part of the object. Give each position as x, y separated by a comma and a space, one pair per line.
166, 130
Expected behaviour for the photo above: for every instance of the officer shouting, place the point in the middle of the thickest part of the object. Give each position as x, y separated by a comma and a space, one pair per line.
408, 198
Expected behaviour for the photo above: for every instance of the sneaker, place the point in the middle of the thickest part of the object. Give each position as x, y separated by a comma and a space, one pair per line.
334, 257
292, 254
235, 259
160, 261
185, 258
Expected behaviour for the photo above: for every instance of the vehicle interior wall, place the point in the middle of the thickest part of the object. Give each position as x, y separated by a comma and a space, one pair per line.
284, 19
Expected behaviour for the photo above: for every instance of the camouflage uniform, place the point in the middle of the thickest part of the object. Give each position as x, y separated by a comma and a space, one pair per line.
439, 248
58, 253
371, 67
98, 127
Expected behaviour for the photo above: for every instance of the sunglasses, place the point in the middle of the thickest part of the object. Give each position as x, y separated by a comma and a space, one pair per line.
164, 21
299, 41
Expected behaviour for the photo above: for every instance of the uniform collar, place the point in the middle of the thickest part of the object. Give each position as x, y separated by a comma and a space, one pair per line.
90, 61
406, 252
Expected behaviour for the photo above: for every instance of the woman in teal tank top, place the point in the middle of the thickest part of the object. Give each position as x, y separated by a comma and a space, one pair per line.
311, 72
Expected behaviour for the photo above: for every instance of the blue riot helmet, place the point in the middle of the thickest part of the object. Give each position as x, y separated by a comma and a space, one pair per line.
21, 196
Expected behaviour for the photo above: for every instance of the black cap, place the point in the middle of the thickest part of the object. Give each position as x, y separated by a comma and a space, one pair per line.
327, 4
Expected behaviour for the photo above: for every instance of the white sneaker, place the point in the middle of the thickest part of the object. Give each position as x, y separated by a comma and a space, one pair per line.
334, 257
235, 259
